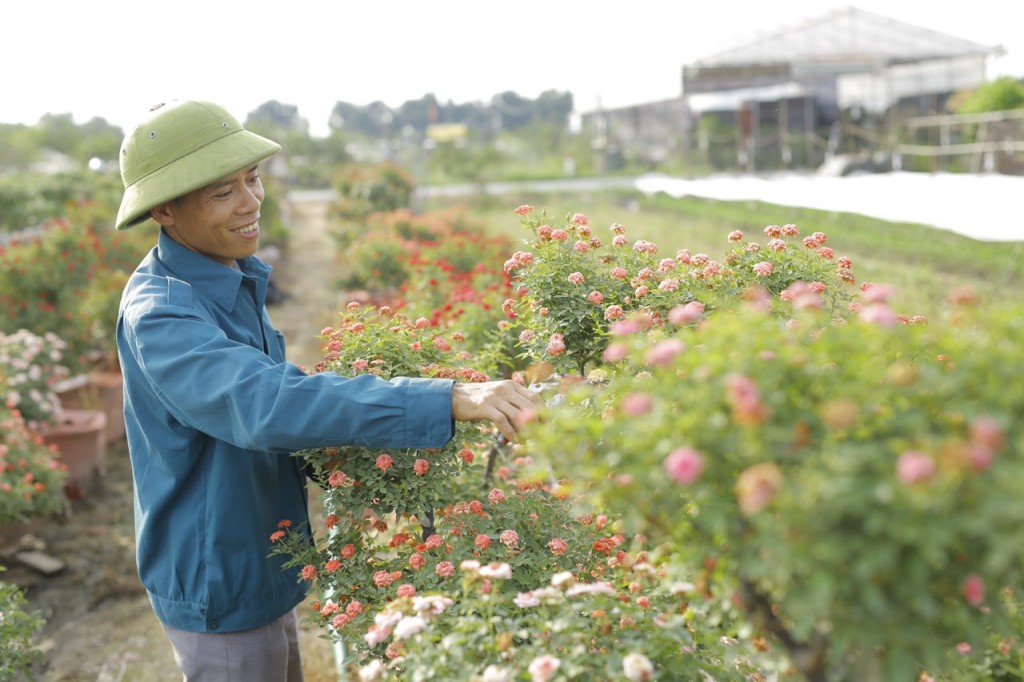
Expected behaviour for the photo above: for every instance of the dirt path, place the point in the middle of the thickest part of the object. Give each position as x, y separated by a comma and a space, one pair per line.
99, 624
306, 273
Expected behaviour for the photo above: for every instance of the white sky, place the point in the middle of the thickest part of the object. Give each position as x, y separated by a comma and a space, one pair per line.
115, 58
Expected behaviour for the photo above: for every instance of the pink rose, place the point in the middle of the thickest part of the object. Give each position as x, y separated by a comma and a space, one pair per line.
613, 312
973, 589
637, 404
914, 467
558, 546
664, 352
509, 538
556, 346
684, 465
615, 352
686, 313
757, 486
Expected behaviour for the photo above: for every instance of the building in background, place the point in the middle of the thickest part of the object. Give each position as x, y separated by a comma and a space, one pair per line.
794, 96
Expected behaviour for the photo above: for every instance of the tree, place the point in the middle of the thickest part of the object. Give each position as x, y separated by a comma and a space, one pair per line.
273, 116
99, 139
18, 147
59, 132
999, 95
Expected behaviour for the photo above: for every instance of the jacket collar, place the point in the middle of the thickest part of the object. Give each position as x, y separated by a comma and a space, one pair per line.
219, 282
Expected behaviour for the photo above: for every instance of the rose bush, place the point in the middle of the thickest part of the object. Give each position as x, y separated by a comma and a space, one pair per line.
575, 283
439, 265
31, 474
810, 457
632, 621
30, 367
369, 562
45, 277
381, 342
364, 189
18, 654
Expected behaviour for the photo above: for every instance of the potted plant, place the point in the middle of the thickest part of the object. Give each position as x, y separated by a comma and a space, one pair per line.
31, 366
30, 370
31, 474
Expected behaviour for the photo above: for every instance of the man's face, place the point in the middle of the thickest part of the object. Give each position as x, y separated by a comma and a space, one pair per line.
219, 221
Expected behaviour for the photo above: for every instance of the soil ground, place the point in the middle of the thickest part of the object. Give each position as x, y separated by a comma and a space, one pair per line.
99, 624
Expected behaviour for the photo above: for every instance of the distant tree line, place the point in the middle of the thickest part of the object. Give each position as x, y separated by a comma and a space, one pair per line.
22, 145
507, 111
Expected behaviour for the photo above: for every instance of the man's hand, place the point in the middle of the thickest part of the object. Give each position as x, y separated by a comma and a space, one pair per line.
504, 403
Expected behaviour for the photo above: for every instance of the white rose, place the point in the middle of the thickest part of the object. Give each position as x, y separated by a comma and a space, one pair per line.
636, 666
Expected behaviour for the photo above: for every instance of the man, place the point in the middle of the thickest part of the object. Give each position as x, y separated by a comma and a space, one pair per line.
213, 410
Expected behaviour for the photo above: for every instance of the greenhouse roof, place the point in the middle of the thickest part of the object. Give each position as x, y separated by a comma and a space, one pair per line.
847, 34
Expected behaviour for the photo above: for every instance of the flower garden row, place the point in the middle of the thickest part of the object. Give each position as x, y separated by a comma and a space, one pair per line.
749, 467
59, 289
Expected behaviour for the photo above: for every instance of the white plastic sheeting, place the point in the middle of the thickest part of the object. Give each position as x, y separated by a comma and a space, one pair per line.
987, 207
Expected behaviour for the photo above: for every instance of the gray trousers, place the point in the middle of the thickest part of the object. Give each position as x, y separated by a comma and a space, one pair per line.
265, 654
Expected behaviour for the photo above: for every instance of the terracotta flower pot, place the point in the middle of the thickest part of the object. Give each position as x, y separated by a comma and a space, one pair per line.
109, 385
81, 440
101, 389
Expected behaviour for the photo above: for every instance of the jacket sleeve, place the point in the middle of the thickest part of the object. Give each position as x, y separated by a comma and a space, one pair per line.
236, 393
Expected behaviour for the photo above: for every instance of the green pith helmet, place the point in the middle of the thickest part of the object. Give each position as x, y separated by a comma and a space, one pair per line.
181, 147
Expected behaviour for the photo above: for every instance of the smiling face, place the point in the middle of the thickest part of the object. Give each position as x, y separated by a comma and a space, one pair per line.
219, 221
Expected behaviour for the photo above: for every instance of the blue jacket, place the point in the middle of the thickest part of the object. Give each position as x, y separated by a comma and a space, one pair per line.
213, 413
